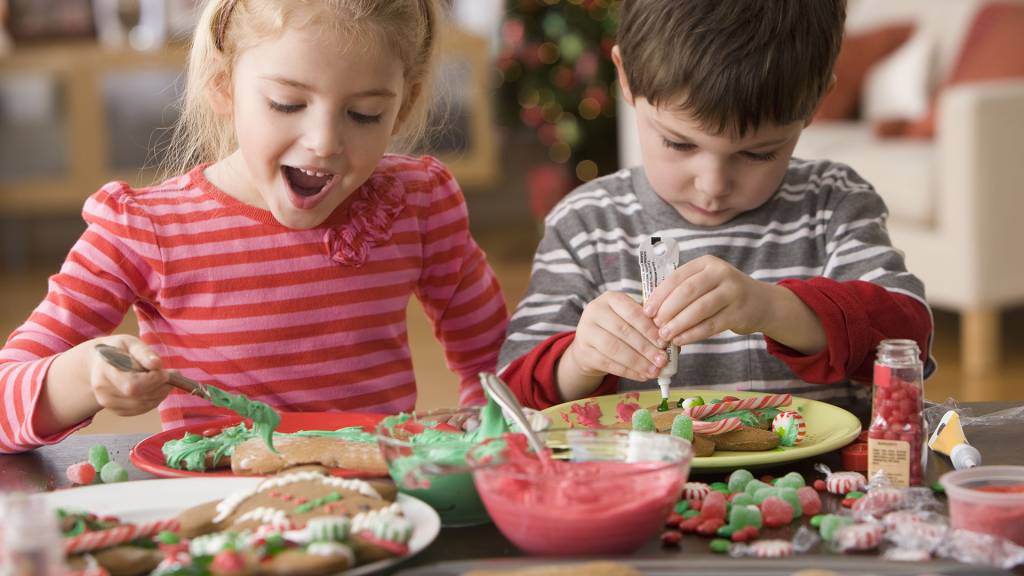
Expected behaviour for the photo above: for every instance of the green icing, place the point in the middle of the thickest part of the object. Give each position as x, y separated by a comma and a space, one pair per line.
190, 451
264, 418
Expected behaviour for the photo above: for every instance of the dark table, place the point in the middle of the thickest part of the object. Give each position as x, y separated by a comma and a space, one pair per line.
456, 549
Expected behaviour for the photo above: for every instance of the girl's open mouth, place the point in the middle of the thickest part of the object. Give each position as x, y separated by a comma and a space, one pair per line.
307, 186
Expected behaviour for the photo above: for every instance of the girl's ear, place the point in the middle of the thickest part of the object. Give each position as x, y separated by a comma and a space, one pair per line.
218, 93
621, 73
407, 106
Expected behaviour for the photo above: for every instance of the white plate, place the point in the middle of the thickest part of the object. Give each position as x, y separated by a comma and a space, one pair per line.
147, 500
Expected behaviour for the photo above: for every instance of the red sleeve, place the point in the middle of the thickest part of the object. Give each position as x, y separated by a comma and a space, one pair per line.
533, 377
856, 315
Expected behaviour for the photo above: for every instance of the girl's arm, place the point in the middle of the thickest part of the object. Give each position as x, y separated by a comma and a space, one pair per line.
458, 289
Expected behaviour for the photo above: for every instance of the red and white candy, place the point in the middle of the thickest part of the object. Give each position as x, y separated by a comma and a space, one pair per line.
858, 537
753, 403
695, 490
771, 548
118, 535
719, 427
784, 421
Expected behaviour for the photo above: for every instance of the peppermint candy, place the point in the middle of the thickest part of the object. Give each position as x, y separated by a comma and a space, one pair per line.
771, 548
841, 482
790, 427
858, 537
695, 490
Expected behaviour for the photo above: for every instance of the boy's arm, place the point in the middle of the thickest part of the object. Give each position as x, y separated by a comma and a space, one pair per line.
458, 289
856, 316
534, 379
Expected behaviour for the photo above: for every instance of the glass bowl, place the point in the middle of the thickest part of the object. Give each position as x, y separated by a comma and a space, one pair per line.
606, 491
427, 460
987, 499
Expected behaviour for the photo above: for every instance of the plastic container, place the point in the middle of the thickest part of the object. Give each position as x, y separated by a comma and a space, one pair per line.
987, 499
608, 491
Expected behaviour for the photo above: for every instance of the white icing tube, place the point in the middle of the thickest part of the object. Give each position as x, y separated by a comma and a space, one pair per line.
658, 258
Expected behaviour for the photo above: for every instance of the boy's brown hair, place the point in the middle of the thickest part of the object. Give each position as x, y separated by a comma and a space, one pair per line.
735, 63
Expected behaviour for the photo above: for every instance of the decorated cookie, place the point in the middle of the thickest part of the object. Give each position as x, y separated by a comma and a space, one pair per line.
746, 439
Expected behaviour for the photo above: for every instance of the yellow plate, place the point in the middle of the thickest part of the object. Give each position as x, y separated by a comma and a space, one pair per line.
828, 427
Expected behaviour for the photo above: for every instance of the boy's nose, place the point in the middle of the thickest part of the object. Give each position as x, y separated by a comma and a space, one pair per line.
713, 180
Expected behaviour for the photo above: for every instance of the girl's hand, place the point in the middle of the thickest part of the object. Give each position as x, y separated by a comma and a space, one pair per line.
127, 393
615, 337
707, 296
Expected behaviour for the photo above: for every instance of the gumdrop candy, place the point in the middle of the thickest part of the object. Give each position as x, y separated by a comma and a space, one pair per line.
81, 473
810, 500
113, 472
754, 485
764, 493
790, 496
776, 512
743, 516
98, 457
643, 421
743, 499
739, 479
831, 523
714, 506
792, 480
682, 427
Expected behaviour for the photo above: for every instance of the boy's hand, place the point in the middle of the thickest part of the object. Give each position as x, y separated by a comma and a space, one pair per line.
615, 337
127, 393
707, 296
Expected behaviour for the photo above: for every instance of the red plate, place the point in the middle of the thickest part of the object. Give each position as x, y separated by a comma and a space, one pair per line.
148, 455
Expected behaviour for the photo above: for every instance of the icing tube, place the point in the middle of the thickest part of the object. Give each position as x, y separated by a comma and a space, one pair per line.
658, 258
948, 438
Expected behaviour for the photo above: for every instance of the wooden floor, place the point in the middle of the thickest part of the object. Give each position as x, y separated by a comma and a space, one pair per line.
511, 261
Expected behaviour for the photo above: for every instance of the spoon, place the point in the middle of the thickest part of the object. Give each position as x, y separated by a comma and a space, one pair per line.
504, 397
124, 362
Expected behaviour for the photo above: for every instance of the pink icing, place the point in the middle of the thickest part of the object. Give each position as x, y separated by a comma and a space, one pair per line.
578, 508
588, 413
624, 410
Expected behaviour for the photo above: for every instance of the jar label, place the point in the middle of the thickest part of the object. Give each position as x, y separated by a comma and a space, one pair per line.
891, 457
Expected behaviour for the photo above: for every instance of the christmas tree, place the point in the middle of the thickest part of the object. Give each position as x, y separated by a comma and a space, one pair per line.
558, 79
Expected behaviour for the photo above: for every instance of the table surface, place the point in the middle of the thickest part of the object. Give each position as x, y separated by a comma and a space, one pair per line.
457, 549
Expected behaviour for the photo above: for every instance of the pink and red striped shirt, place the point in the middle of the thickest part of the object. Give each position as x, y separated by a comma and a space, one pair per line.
305, 320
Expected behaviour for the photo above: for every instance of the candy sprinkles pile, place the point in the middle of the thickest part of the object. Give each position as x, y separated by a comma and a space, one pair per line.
98, 468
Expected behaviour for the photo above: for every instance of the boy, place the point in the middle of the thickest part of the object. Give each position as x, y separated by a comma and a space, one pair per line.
787, 280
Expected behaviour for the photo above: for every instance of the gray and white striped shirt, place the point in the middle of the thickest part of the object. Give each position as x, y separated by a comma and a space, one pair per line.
824, 220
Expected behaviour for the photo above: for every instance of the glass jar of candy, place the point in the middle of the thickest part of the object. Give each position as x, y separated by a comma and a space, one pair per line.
896, 436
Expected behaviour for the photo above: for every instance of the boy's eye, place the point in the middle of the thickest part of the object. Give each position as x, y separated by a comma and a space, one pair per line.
285, 108
680, 146
760, 157
363, 118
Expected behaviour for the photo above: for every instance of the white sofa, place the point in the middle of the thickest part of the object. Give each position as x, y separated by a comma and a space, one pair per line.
956, 202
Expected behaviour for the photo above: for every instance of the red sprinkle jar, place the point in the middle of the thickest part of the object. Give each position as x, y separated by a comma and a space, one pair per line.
896, 436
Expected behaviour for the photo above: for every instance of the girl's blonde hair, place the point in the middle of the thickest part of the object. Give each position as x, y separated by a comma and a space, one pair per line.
228, 27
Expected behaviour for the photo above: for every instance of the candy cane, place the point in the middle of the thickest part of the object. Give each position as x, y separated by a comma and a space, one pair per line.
117, 535
719, 427
754, 403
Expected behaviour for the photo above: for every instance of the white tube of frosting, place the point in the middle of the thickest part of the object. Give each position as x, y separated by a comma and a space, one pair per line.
658, 258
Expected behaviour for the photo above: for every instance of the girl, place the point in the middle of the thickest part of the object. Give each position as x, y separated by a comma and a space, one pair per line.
280, 264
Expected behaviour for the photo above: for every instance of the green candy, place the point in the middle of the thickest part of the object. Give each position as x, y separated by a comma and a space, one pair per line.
743, 516
792, 480
789, 495
743, 499
167, 537
765, 493
754, 485
690, 514
719, 486
720, 546
831, 524
690, 402
98, 457
739, 479
726, 530
113, 472
816, 519
643, 421
682, 427
938, 488
681, 507
855, 495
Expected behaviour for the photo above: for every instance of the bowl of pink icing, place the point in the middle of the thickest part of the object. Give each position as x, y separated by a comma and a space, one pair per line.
987, 499
601, 491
